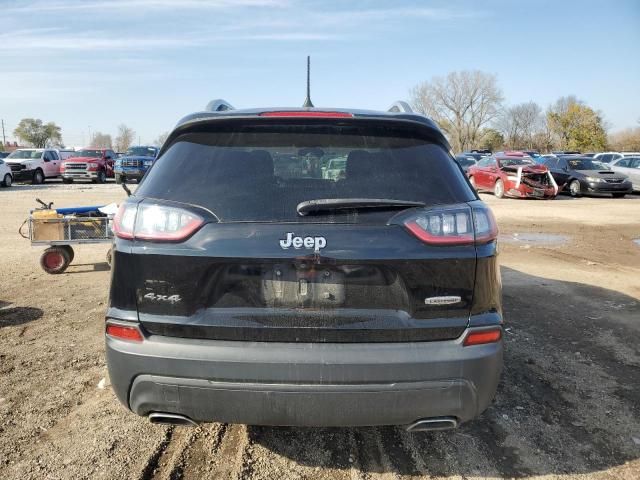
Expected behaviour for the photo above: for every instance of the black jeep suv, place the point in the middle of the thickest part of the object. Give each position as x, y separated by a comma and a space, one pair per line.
248, 287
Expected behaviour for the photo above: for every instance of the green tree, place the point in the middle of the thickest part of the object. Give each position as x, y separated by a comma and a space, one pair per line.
577, 126
38, 134
491, 139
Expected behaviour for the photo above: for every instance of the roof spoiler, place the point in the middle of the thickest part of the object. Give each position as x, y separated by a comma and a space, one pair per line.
218, 105
400, 107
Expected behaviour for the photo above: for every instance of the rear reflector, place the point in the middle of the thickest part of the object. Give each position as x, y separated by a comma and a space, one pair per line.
482, 337
124, 333
298, 113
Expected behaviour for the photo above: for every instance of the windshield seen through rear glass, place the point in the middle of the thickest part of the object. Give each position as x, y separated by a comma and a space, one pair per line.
141, 152
25, 154
88, 153
584, 164
509, 162
262, 172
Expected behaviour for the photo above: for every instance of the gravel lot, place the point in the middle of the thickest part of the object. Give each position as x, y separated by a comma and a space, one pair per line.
568, 405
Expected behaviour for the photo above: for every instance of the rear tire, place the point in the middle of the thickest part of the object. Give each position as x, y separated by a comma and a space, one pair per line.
8, 179
38, 177
575, 189
55, 260
67, 180
498, 189
618, 195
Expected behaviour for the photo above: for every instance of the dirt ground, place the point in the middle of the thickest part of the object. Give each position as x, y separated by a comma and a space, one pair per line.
568, 405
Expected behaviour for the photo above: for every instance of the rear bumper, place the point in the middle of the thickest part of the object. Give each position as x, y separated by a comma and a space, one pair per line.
306, 384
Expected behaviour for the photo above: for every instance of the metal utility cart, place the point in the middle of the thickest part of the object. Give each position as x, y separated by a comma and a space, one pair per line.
63, 227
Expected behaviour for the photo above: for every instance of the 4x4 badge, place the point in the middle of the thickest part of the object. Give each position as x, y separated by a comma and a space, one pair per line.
317, 243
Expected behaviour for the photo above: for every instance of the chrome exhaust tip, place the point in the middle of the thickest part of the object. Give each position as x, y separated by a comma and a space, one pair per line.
433, 424
171, 419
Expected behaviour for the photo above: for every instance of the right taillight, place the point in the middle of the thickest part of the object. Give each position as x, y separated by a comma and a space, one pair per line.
458, 225
154, 222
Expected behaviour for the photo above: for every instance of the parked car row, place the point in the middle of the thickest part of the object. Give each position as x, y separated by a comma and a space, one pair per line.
35, 165
528, 174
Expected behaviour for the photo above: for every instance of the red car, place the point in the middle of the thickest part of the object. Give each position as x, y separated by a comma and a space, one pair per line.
514, 176
95, 164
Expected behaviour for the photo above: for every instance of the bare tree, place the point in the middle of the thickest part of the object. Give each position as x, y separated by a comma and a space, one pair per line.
161, 139
520, 123
626, 140
462, 103
125, 137
101, 140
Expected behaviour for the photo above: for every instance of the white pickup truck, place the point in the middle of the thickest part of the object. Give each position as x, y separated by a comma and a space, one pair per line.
34, 164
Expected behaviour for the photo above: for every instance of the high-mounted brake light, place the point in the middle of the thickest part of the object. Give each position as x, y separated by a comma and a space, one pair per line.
155, 222
453, 225
304, 114
482, 337
124, 332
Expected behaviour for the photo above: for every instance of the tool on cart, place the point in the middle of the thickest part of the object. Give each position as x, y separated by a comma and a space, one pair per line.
62, 227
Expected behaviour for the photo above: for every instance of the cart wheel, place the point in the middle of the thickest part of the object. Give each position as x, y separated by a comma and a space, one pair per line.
109, 257
69, 250
55, 260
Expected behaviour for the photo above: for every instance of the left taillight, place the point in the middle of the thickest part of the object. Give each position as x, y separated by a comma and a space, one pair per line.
456, 225
155, 222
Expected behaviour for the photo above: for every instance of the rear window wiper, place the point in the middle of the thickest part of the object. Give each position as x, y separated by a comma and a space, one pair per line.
331, 204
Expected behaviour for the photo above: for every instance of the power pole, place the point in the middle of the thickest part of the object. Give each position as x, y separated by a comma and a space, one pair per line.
4, 139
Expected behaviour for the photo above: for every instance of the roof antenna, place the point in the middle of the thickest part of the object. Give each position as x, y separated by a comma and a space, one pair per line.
307, 102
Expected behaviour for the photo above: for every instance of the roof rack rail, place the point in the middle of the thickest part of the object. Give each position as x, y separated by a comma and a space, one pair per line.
218, 105
400, 107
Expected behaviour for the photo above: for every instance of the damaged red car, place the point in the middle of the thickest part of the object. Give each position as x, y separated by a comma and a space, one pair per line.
516, 176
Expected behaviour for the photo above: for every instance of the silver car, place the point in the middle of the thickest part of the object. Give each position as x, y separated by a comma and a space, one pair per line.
630, 166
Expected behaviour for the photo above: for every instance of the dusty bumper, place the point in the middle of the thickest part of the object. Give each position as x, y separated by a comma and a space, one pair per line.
304, 384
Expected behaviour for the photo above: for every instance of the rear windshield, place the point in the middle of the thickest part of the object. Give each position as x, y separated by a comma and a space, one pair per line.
262, 172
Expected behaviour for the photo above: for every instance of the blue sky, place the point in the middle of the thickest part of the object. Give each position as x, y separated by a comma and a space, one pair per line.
92, 65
